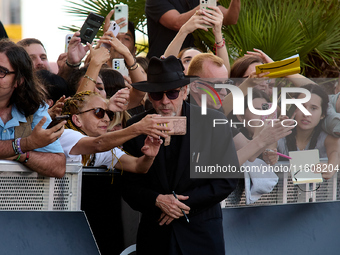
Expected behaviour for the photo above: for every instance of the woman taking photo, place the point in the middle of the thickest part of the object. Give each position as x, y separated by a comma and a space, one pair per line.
86, 138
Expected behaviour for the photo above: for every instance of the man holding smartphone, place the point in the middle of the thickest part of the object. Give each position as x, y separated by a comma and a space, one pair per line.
165, 18
24, 116
128, 38
167, 192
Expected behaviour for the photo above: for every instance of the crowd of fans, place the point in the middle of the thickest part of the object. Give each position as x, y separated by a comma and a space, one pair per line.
109, 113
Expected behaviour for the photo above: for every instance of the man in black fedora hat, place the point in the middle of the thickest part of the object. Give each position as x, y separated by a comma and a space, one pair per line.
180, 214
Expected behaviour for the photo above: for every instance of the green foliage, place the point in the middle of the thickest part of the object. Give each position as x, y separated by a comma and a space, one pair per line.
281, 29
102, 7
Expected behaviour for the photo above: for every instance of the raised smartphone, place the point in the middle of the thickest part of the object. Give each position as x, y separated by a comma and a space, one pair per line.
90, 27
115, 30
122, 10
67, 41
205, 3
119, 65
178, 124
57, 120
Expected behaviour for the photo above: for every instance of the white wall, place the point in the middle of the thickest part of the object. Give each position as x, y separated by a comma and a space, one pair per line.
41, 19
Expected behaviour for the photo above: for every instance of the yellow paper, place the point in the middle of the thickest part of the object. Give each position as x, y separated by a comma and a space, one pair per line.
280, 68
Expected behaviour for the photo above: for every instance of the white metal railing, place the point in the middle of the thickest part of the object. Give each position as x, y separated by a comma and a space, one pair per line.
23, 189
286, 192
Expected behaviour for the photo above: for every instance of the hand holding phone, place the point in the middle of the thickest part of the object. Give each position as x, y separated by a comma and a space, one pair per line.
119, 65
114, 28
57, 120
90, 27
67, 41
122, 11
204, 4
178, 124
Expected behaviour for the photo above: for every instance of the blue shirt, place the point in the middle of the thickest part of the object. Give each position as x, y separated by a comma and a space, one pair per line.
7, 130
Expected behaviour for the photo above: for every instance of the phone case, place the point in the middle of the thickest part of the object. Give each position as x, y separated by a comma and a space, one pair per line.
67, 41
119, 65
178, 124
57, 120
122, 10
115, 30
205, 3
90, 27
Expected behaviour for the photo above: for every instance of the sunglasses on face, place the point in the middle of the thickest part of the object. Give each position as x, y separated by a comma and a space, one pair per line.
100, 113
171, 94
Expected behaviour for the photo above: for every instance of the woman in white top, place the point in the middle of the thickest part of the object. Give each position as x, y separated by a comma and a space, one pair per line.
86, 138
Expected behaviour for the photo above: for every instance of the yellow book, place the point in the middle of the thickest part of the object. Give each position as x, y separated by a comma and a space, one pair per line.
281, 68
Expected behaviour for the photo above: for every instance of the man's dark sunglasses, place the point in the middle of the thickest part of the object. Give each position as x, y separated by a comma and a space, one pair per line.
100, 113
171, 94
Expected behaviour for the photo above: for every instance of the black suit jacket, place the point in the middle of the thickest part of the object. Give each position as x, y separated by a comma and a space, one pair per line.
204, 233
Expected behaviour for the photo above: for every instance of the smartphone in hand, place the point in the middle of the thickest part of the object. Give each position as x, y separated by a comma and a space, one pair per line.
57, 120
114, 28
178, 124
122, 11
204, 4
90, 27
118, 64
67, 41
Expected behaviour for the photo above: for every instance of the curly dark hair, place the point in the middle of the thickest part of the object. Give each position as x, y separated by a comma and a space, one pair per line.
29, 94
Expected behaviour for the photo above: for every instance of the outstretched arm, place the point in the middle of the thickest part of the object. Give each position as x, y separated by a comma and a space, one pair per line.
195, 22
148, 125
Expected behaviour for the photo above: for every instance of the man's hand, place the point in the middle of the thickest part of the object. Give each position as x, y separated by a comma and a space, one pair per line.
172, 206
41, 137
76, 51
165, 219
151, 146
108, 18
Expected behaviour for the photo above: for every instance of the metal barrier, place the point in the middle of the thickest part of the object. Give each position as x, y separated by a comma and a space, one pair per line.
23, 189
286, 192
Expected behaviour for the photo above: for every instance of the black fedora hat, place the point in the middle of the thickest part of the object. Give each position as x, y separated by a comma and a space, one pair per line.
164, 74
